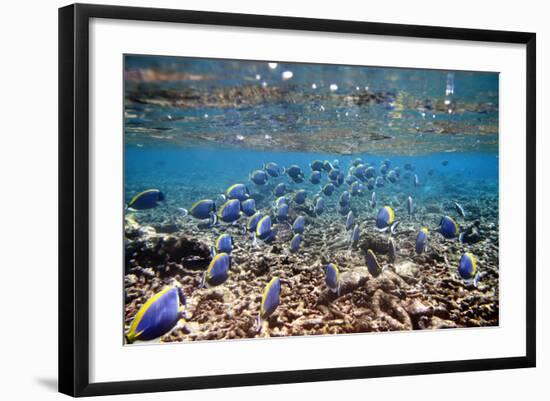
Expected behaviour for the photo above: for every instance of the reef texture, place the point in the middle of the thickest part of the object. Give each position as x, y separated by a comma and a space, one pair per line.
415, 292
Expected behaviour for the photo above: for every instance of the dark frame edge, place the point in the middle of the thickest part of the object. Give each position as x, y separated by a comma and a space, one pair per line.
302, 376
73, 369
531, 200
66, 306
301, 23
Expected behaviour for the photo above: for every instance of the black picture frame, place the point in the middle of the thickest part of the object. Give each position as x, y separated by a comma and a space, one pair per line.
74, 198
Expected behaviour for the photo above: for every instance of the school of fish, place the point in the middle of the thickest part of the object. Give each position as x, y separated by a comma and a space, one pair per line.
289, 211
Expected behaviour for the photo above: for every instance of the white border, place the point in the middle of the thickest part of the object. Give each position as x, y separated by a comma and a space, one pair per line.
110, 361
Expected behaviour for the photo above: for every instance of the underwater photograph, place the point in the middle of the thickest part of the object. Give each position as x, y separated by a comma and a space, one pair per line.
276, 199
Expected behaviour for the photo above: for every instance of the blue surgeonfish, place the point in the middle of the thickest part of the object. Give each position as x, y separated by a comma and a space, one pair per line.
252, 222
333, 174
218, 270
300, 196
263, 228
282, 212
356, 188
355, 236
158, 315
146, 200
344, 198
370, 172
237, 191
319, 207
281, 200
224, 244
340, 178
448, 227
271, 237
258, 177
467, 269
359, 171
372, 264
459, 209
379, 182
270, 301
373, 200
230, 211
279, 189
421, 244
248, 206
410, 206
316, 165
295, 173
386, 220
392, 177
350, 220
273, 169
357, 161
299, 225
327, 166
315, 177
332, 278
392, 250
370, 184
295, 242
328, 189
383, 168
203, 209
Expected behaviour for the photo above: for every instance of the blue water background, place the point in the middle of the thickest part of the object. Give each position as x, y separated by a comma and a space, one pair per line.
186, 175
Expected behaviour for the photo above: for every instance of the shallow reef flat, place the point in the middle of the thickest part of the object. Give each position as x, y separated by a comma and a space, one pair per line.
414, 292
341, 142
253, 94
336, 123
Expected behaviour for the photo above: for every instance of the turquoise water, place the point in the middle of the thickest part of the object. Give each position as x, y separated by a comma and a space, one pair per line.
186, 175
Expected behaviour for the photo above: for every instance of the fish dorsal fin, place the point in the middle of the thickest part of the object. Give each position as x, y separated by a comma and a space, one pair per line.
135, 198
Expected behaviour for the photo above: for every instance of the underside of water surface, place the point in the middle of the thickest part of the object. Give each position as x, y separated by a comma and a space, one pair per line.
429, 139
